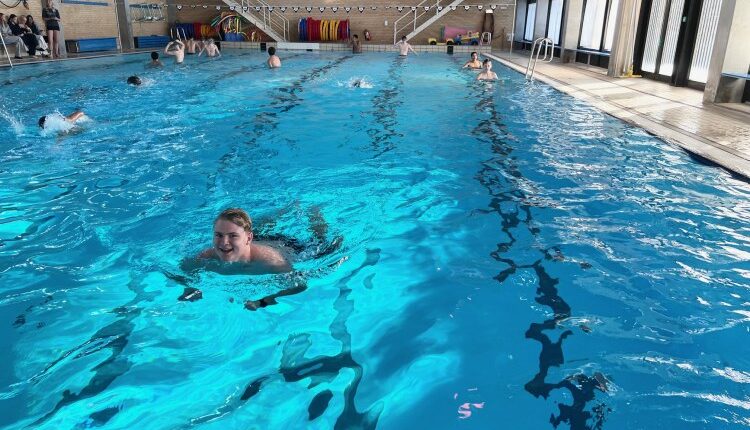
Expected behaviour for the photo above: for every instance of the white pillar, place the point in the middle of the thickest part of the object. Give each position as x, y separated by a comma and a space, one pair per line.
571, 30
730, 53
626, 25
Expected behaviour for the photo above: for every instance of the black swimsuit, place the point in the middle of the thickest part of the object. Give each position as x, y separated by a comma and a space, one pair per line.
48, 15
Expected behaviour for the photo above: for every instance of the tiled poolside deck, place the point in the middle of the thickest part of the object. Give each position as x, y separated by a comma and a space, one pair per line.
718, 133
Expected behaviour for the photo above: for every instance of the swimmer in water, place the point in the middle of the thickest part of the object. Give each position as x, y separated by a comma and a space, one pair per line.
155, 61
274, 61
474, 63
177, 49
190, 46
72, 118
233, 243
134, 80
404, 47
210, 48
487, 74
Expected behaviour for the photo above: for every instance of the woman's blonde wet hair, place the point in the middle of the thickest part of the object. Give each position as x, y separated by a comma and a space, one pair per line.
238, 217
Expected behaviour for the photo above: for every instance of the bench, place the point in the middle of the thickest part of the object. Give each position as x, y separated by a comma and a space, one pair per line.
92, 45
745, 76
151, 41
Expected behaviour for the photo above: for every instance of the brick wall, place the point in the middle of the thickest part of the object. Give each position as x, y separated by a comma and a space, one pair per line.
78, 21
374, 21
84, 21
148, 28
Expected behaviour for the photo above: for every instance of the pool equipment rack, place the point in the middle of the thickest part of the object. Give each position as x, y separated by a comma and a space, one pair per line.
536, 49
5, 47
148, 12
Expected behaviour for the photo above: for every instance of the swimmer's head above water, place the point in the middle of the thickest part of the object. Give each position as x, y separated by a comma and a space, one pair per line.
134, 80
233, 235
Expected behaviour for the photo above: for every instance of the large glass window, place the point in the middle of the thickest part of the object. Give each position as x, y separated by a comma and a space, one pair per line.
655, 21
671, 36
594, 15
609, 34
555, 20
704, 41
528, 33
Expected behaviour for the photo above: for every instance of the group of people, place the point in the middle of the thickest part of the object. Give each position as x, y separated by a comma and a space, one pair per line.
485, 66
23, 34
486, 73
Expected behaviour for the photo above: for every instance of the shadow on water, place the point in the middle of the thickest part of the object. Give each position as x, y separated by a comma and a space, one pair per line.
498, 175
115, 337
384, 106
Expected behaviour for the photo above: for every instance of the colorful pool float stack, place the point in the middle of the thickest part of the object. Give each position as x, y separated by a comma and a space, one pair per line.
323, 30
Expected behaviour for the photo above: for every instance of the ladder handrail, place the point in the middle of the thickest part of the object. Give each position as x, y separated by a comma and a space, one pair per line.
7, 53
267, 16
549, 53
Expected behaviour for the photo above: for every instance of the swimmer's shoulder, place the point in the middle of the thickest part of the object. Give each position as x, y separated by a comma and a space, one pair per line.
271, 257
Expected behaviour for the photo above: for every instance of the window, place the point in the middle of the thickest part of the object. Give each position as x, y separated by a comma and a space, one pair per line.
609, 34
555, 20
670, 37
655, 20
594, 13
704, 41
528, 33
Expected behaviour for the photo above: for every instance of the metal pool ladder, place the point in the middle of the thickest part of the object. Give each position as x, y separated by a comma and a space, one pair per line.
5, 47
536, 49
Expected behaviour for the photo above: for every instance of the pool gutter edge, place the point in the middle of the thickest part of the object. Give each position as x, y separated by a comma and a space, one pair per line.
714, 152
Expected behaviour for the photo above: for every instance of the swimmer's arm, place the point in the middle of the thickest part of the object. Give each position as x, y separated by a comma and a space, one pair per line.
166, 49
75, 116
412, 50
252, 305
218, 52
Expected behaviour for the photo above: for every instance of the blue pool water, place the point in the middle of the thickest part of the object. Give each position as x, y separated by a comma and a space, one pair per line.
509, 257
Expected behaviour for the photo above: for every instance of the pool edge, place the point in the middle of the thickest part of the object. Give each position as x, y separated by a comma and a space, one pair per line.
720, 155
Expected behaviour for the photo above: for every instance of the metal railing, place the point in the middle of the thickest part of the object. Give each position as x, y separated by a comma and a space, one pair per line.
144, 12
536, 49
5, 47
419, 11
179, 32
264, 14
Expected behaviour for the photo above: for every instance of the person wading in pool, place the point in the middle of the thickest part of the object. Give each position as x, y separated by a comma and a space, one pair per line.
274, 61
177, 49
210, 49
487, 73
474, 63
404, 47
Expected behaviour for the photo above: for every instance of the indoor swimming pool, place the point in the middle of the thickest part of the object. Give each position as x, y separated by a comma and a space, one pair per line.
499, 255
